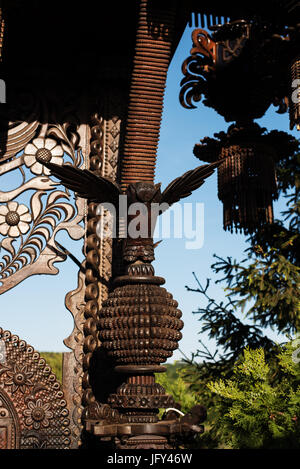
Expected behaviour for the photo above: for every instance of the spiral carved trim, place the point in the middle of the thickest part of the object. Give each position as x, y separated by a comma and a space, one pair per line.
151, 61
92, 263
104, 143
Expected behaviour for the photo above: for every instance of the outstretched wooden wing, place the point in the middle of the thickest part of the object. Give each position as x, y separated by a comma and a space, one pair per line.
184, 185
86, 184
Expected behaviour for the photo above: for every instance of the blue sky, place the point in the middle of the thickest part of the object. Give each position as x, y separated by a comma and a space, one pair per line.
35, 309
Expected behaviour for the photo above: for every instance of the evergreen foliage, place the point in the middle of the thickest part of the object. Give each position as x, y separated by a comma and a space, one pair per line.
265, 287
250, 385
256, 411
177, 387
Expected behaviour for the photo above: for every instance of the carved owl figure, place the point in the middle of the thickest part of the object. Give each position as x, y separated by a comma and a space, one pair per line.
100, 189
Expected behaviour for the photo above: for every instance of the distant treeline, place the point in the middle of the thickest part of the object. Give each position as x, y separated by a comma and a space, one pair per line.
54, 359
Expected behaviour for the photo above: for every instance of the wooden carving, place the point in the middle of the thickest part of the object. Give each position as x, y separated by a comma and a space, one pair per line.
33, 409
86, 300
99, 189
32, 213
139, 323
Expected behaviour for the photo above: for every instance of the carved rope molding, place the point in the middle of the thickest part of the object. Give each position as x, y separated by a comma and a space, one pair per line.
86, 300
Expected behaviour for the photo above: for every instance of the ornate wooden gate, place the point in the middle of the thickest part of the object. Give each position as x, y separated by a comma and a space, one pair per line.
81, 96
54, 114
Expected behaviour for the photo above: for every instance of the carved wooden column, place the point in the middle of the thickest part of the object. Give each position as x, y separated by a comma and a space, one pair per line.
107, 121
152, 57
84, 303
139, 322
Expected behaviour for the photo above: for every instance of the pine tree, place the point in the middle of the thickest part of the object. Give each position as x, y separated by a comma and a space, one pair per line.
256, 411
265, 286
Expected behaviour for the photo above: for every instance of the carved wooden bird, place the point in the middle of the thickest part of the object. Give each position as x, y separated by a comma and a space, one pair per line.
101, 189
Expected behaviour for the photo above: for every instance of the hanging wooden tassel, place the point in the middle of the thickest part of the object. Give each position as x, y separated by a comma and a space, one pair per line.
246, 186
246, 178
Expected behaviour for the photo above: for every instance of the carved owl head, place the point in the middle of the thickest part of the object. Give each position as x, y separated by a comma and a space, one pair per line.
144, 192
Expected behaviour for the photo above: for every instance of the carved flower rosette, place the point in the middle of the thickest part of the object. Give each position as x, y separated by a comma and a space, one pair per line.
32, 213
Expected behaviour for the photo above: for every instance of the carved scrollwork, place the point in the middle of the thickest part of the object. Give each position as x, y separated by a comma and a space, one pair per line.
238, 68
29, 224
209, 54
196, 68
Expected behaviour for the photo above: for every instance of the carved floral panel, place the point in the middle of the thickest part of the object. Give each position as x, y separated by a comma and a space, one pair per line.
33, 409
33, 211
